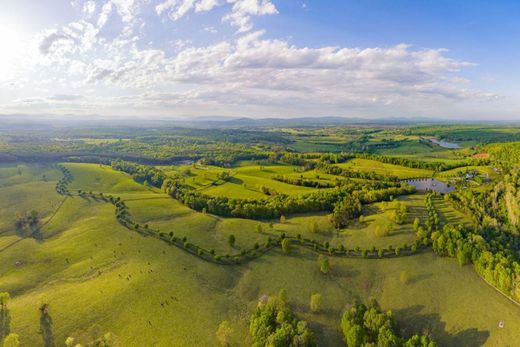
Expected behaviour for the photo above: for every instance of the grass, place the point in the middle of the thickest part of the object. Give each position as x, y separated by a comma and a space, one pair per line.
245, 183
22, 189
368, 165
92, 270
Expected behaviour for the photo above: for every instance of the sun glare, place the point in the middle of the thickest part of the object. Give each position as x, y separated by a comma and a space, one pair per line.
10, 46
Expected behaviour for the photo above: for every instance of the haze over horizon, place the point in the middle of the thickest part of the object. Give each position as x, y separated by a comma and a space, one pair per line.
261, 58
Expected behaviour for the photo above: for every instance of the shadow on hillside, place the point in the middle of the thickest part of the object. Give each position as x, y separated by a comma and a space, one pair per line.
235, 180
412, 321
420, 278
344, 272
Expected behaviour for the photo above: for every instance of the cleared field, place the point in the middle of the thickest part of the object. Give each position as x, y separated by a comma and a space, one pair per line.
245, 183
102, 178
91, 270
24, 188
449, 215
368, 165
117, 279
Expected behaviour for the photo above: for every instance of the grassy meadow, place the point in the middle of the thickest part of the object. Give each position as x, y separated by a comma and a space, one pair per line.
92, 270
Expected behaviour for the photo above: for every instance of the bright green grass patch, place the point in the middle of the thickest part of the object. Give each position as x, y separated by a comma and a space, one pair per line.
449, 215
368, 165
22, 189
102, 178
117, 278
12, 174
362, 234
91, 270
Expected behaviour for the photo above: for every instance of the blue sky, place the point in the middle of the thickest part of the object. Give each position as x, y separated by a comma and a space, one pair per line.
261, 58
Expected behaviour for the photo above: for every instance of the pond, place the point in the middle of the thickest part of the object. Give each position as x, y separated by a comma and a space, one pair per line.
424, 184
445, 144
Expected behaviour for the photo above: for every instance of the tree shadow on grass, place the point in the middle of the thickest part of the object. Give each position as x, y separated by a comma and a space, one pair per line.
412, 321
419, 278
235, 180
344, 272
46, 326
5, 322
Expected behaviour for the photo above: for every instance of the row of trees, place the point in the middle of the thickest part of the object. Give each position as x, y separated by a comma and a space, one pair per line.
140, 173
420, 164
493, 254
368, 326
124, 217
281, 204
368, 175
305, 182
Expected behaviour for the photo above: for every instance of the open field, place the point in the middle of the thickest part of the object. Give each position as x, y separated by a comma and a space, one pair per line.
368, 165
91, 270
24, 188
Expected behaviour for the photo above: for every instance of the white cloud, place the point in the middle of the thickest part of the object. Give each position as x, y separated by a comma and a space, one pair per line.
210, 30
89, 8
240, 13
127, 9
52, 40
206, 5
248, 73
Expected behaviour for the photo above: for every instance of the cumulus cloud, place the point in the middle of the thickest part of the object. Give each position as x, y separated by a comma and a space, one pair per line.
248, 73
89, 8
239, 15
242, 11
51, 40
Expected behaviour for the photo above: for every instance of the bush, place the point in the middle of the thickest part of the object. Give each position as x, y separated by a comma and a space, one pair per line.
404, 277
315, 303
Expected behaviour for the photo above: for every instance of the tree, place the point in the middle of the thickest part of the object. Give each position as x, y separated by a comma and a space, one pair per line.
282, 295
224, 333
286, 245
282, 219
416, 223
404, 277
354, 336
273, 324
259, 228
324, 264
12, 340
348, 208
231, 240
315, 303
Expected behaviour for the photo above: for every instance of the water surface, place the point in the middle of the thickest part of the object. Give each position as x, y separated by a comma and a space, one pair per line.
424, 184
445, 144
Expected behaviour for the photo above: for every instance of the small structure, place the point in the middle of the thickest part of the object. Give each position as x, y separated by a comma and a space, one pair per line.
501, 324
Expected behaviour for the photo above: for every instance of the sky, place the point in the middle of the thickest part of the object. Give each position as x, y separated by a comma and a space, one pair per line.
442, 59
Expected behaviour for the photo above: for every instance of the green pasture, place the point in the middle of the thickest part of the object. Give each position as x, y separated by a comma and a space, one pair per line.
368, 165
91, 270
